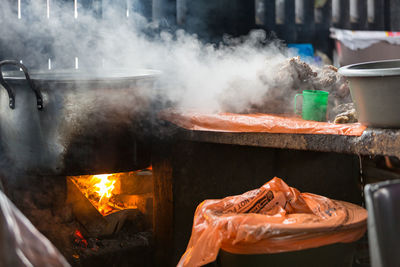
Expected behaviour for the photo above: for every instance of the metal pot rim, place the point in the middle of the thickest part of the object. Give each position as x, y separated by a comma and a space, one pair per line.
379, 68
73, 75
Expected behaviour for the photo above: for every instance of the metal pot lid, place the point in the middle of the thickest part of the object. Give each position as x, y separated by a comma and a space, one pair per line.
372, 69
84, 75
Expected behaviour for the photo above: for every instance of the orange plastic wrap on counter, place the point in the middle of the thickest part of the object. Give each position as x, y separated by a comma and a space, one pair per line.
267, 123
274, 218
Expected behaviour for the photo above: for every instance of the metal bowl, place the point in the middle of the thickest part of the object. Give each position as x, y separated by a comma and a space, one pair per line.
375, 90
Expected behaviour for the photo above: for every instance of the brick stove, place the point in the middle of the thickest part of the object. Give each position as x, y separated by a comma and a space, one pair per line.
188, 168
121, 236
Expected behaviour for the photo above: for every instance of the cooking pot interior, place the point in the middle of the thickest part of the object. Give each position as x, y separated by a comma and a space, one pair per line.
372, 69
387, 64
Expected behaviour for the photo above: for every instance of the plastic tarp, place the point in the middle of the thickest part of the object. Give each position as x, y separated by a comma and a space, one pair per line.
362, 39
274, 218
21, 244
267, 123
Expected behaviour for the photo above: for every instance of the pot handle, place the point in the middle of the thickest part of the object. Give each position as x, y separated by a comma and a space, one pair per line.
10, 92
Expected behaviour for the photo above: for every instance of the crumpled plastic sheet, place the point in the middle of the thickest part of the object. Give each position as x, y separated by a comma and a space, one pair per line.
274, 218
355, 40
21, 244
267, 123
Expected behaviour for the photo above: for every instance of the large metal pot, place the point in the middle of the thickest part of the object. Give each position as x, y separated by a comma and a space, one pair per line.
375, 90
70, 122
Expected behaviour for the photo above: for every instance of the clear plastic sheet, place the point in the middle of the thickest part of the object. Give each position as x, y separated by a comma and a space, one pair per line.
20, 243
274, 218
267, 123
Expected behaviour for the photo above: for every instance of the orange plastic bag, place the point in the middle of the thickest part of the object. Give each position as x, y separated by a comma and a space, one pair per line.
274, 218
267, 123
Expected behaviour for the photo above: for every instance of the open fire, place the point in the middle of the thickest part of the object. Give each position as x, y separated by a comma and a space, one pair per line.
99, 189
103, 202
105, 193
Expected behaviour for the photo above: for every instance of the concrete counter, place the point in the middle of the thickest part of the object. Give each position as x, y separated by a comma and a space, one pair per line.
372, 142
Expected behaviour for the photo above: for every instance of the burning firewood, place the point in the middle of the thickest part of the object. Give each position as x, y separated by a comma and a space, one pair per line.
102, 203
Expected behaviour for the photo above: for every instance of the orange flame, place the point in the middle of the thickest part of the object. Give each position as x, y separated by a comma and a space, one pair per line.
98, 189
103, 186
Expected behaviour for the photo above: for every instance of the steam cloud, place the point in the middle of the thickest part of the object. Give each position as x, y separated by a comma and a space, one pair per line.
222, 77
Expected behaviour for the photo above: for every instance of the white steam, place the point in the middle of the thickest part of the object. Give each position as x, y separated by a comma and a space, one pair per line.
196, 75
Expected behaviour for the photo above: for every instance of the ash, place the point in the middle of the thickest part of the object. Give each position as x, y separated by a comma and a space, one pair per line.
42, 201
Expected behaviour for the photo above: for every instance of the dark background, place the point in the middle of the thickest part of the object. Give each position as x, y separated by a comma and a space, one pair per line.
212, 19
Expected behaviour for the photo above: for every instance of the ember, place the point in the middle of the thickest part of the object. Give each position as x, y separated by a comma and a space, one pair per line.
79, 239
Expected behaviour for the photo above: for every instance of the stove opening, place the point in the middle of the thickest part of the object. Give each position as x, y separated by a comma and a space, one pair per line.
102, 203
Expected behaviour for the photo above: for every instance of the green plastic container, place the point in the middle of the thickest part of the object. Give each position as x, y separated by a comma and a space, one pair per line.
314, 105
335, 255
